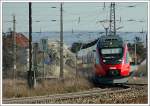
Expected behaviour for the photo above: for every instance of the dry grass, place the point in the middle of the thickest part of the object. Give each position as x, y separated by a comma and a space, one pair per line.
43, 88
140, 75
142, 71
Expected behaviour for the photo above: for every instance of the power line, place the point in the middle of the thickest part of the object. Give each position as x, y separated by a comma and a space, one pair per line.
68, 5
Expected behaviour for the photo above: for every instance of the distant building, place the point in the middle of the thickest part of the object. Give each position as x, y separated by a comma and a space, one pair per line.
21, 47
21, 40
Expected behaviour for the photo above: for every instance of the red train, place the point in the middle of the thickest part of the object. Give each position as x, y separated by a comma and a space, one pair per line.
112, 60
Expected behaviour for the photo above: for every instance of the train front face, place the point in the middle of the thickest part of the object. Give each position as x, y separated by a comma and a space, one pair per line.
112, 62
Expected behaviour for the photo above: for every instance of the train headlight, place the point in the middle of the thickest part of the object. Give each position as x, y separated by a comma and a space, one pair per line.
120, 60
104, 61
112, 68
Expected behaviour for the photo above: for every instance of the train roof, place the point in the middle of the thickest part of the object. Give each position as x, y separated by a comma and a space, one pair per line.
110, 41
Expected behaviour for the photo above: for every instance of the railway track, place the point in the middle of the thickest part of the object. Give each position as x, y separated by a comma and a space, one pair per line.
48, 98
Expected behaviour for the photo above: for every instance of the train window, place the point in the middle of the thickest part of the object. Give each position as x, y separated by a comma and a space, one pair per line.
111, 51
112, 55
110, 39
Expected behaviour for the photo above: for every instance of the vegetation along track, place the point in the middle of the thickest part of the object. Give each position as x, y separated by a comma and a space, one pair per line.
61, 97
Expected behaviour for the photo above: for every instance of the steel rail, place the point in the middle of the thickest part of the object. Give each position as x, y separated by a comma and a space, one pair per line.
47, 98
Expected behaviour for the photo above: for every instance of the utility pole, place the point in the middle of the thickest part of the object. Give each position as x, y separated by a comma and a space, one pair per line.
114, 18
76, 64
14, 51
43, 65
112, 24
135, 52
106, 29
35, 52
61, 43
146, 53
30, 72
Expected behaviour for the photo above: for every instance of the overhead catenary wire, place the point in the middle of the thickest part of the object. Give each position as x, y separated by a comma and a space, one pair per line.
118, 7
69, 14
85, 17
67, 5
72, 12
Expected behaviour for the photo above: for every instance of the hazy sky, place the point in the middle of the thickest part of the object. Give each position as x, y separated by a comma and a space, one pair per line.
89, 13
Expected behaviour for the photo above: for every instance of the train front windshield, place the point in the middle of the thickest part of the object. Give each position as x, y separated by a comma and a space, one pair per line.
112, 55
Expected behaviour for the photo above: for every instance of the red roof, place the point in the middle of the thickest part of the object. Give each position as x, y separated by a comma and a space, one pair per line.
21, 40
